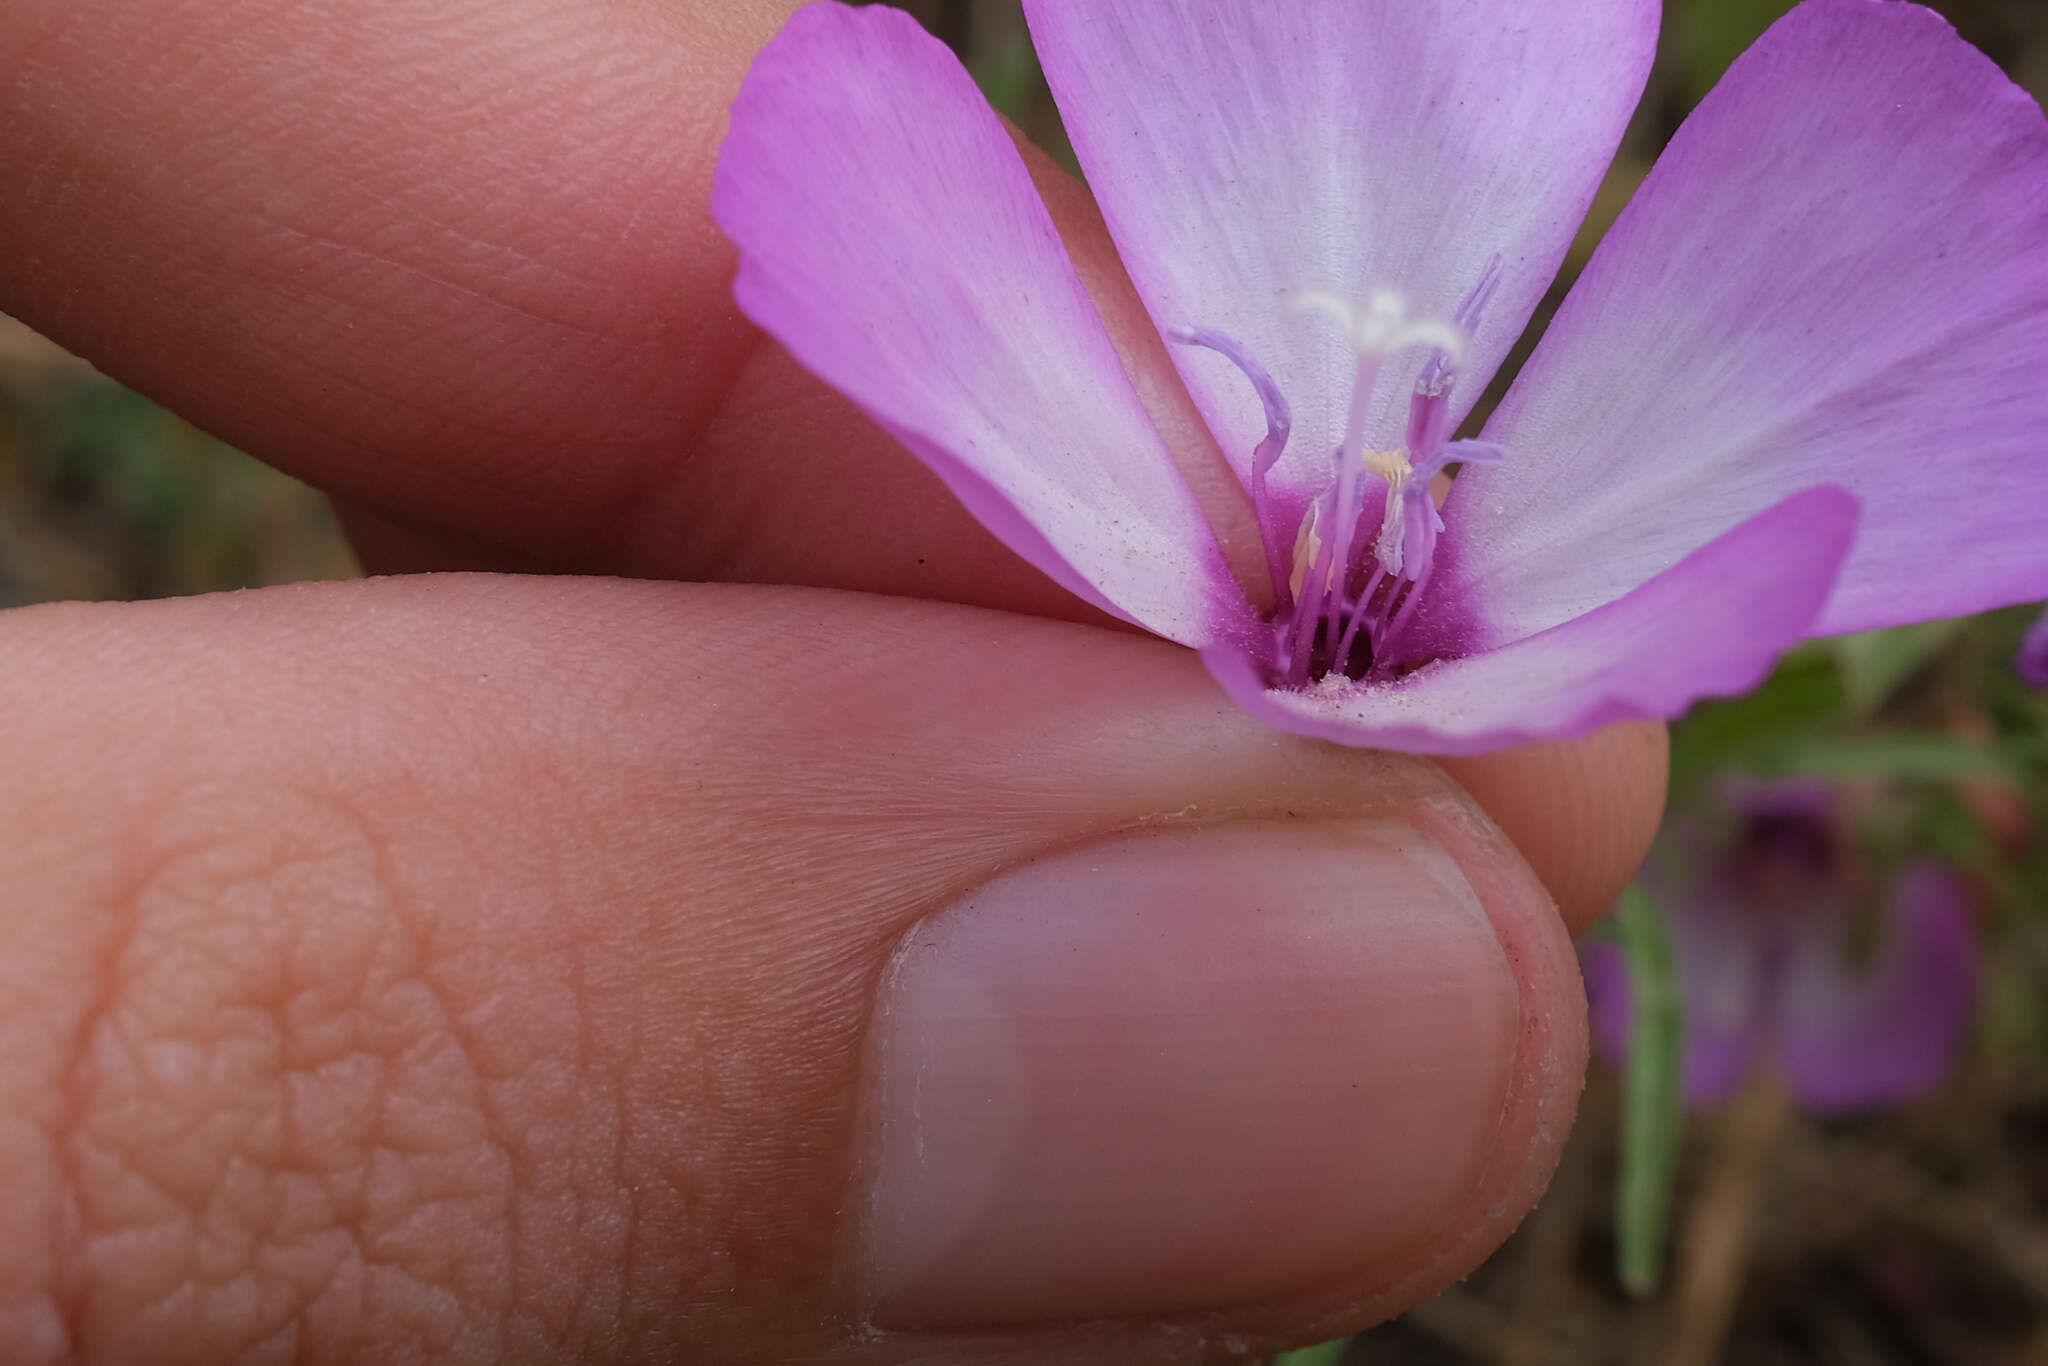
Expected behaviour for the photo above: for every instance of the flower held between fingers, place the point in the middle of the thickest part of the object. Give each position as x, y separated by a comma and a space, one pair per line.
1795, 392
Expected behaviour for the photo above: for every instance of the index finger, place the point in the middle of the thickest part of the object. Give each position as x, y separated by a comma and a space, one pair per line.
455, 264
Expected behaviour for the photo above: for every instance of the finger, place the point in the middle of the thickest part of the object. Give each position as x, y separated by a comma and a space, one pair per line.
1582, 812
496, 969
456, 264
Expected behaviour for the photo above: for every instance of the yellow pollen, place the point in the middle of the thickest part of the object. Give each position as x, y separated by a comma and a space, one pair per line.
1391, 466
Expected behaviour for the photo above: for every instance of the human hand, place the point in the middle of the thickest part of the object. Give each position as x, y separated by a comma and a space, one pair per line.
518, 968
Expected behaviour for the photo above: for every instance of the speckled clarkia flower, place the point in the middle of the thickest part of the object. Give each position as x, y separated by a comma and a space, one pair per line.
1855, 1000
1797, 391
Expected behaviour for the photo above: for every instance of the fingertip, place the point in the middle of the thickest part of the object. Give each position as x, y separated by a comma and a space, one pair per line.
1583, 812
1279, 991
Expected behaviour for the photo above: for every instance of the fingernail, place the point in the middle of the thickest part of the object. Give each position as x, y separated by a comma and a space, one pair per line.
1181, 1070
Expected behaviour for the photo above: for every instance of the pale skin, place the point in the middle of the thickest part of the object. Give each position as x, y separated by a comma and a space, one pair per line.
497, 947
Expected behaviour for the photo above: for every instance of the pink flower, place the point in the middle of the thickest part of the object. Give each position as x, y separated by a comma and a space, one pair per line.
1858, 1003
1796, 392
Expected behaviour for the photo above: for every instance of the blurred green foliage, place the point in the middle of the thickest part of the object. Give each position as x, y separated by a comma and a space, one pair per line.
105, 495
1707, 37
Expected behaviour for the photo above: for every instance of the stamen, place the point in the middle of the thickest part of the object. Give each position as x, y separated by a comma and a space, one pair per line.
1460, 453
1349, 498
1308, 544
1267, 454
1322, 581
1406, 613
1318, 622
1411, 520
1361, 616
1436, 376
1400, 477
1377, 329
1408, 532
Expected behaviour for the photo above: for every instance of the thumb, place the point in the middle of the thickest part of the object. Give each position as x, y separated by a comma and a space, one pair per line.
489, 969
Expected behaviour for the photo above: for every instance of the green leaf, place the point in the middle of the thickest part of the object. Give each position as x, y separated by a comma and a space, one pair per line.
1008, 77
1876, 663
1802, 697
1322, 1354
1653, 1108
1910, 756
1710, 36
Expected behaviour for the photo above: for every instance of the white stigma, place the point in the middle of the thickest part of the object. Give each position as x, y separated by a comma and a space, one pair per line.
1382, 325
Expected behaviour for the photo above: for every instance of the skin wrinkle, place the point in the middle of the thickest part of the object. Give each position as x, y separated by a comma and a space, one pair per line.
416, 932
586, 1100
638, 516
130, 995
579, 1213
67, 1289
388, 260
531, 1220
415, 403
298, 1066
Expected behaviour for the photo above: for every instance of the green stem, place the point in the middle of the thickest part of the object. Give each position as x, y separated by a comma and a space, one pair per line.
1653, 1105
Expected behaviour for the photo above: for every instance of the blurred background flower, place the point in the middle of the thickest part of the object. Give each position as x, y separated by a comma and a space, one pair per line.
2033, 658
1797, 965
1853, 877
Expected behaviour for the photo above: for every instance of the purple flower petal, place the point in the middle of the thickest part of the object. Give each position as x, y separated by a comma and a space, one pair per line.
1248, 149
1856, 1036
2033, 660
1838, 273
1722, 959
1610, 1004
891, 238
1709, 626
1723, 956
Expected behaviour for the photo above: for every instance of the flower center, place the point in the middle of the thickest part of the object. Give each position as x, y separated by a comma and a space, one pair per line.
1345, 591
